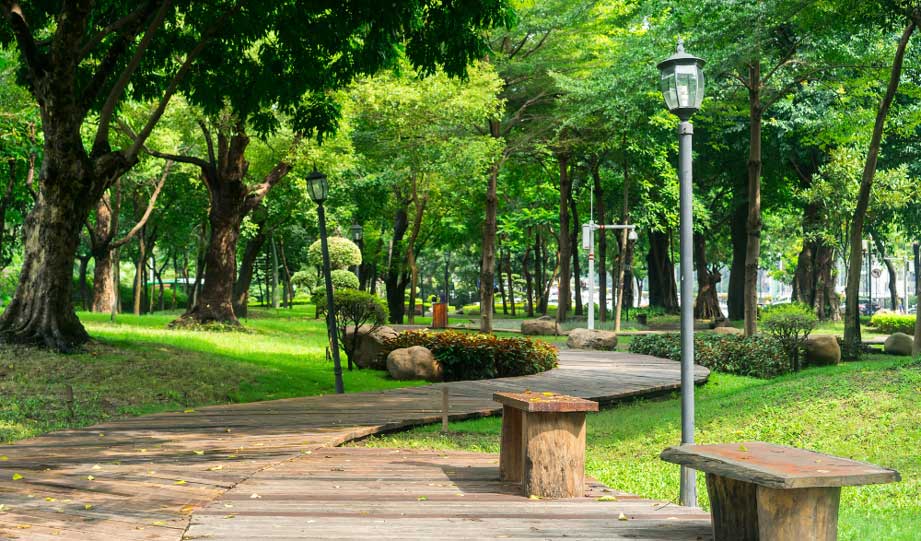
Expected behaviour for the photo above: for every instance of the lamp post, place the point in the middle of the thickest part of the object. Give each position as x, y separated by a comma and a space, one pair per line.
318, 188
357, 234
682, 82
588, 243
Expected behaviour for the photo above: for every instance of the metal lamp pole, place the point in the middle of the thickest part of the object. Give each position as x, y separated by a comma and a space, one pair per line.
682, 83
318, 188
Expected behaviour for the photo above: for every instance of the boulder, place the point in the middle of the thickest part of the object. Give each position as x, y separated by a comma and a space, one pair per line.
415, 362
592, 339
822, 349
898, 343
540, 327
728, 330
368, 350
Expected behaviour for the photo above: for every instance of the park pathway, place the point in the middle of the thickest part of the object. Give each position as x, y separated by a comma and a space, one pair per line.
143, 478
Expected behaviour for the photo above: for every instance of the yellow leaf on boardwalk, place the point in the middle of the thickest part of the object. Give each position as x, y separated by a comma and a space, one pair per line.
16, 477
90, 478
4, 458
621, 517
88, 506
199, 453
180, 482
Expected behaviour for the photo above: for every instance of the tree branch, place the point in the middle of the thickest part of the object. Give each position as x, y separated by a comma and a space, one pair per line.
207, 134
24, 38
147, 212
134, 17
108, 109
281, 169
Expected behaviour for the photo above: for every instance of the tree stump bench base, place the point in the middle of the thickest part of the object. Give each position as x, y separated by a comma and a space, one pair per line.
765, 492
543, 443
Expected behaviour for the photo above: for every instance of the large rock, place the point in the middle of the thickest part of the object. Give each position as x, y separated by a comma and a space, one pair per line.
368, 350
728, 330
592, 339
898, 343
822, 349
540, 327
415, 362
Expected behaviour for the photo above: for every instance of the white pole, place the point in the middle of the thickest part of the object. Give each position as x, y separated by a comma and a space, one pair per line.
591, 274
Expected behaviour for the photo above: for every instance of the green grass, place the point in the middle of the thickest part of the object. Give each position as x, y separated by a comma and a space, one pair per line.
866, 411
137, 365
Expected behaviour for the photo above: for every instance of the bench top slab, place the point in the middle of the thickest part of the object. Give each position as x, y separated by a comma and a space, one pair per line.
545, 402
778, 466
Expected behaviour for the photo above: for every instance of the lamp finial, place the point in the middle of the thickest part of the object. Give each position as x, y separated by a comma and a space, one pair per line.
680, 47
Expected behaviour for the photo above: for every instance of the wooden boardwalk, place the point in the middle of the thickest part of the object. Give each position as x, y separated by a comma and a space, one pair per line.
395, 494
142, 478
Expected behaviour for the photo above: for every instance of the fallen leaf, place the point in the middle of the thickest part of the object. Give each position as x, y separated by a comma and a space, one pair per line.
88, 506
16, 477
199, 453
180, 482
90, 478
96, 467
533, 497
254, 496
606, 499
4, 458
743, 448
101, 435
50, 499
187, 509
229, 516
547, 394
159, 523
422, 498
190, 410
621, 517
216, 468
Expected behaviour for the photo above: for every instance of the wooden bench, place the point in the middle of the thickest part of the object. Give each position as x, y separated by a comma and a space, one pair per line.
543, 442
766, 492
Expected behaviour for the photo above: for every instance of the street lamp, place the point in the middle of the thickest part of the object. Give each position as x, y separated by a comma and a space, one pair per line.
682, 82
318, 188
357, 233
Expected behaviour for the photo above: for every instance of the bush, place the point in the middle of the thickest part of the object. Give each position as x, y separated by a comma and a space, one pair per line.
789, 324
889, 323
466, 356
343, 253
344, 279
757, 356
305, 281
353, 309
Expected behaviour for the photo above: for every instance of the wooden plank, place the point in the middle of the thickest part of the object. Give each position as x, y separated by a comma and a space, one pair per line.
778, 466
547, 401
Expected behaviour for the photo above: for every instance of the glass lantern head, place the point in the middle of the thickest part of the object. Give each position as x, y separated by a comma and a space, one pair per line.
317, 186
681, 79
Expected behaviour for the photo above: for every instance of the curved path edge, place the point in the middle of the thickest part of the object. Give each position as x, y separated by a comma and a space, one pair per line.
141, 478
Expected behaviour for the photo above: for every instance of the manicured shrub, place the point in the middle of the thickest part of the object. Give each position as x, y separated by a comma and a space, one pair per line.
890, 323
789, 324
305, 281
353, 310
757, 356
344, 279
343, 253
466, 356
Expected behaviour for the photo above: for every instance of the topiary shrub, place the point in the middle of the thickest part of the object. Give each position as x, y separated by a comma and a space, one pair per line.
343, 253
891, 323
467, 356
344, 279
756, 356
354, 309
305, 281
789, 324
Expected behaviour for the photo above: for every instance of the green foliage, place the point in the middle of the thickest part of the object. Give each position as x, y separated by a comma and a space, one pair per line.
757, 356
343, 253
355, 309
467, 356
789, 324
304, 281
888, 322
343, 279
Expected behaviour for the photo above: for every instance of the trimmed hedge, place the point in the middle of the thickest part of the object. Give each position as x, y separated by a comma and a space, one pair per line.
889, 323
757, 356
466, 356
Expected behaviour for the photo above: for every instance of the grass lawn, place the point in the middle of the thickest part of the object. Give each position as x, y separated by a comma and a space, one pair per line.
866, 411
137, 366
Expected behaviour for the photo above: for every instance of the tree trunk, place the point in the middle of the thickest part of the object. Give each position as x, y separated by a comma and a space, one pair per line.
215, 302
41, 311
511, 282
574, 246
564, 296
804, 278
625, 294
245, 276
502, 284
663, 292
602, 255
275, 299
754, 225
528, 282
624, 240
104, 290
84, 287
707, 304
139, 266
539, 272
395, 280
916, 347
736, 300
488, 262
890, 269
852, 340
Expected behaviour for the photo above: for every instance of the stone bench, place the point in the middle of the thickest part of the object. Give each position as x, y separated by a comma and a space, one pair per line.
766, 492
543, 443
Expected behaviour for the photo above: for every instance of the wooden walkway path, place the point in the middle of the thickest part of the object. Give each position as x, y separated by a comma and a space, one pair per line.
386, 494
142, 478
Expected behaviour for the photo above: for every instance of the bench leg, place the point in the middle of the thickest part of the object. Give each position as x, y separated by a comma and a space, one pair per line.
733, 509
802, 513
554, 455
510, 458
